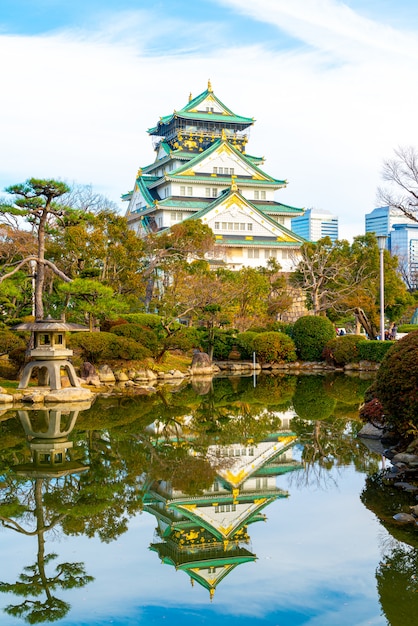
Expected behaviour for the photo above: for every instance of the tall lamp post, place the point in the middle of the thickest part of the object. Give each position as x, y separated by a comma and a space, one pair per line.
381, 242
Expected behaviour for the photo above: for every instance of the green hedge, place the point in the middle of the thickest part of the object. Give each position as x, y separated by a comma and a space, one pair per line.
310, 334
407, 328
342, 350
374, 350
274, 347
99, 347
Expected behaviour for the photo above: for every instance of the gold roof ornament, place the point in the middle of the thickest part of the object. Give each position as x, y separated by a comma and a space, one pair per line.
190, 97
223, 136
234, 186
139, 173
210, 86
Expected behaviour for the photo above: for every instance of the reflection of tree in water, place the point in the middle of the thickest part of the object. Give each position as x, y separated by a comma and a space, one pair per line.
397, 584
34, 581
327, 435
397, 572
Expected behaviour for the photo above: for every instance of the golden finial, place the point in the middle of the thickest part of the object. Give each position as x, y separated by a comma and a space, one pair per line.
190, 97
223, 135
211, 593
139, 173
234, 188
210, 86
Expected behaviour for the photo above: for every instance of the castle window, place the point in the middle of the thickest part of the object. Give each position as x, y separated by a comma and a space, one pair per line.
182, 191
253, 253
256, 195
263, 195
231, 171
214, 193
215, 170
249, 226
236, 226
224, 225
230, 226
242, 226
207, 192
216, 226
189, 191
176, 216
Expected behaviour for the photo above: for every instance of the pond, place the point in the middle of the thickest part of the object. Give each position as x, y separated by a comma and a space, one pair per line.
232, 501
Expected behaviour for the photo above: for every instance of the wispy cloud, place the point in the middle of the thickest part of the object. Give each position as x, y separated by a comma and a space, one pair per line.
76, 103
330, 26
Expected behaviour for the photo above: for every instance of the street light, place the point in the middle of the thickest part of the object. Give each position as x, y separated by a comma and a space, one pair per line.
381, 242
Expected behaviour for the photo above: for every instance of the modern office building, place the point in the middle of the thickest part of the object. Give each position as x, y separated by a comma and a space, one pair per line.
404, 243
382, 220
202, 171
402, 239
316, 224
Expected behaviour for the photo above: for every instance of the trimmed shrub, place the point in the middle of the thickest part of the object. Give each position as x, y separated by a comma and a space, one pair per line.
8, 370
310, 334
144, 336
10, 341
274, 347
374, 350
342, 350
144, 319
397, 383
245, 343
183, 338
99, 347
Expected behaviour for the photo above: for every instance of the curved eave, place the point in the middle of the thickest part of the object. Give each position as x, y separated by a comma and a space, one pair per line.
218, 180
200, 116
271, 243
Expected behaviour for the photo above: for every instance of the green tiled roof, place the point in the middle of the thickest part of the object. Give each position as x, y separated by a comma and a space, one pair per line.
216, 144
187, 112
187, 204
277, 207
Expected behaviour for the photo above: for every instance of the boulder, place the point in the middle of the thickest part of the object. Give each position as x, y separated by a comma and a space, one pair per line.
89, 375
106, 375
72, 394
370, 432
408, 459
200, 360
121, 376
404, 518
5, 398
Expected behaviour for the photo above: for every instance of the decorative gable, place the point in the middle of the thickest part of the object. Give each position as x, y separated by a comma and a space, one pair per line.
234, 215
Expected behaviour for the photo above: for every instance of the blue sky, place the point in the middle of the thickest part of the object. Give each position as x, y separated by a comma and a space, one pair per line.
331, 85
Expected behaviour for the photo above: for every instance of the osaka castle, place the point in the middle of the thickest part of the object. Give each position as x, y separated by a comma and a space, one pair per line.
202, 171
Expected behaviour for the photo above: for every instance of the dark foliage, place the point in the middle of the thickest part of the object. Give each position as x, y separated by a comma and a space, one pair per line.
310, 334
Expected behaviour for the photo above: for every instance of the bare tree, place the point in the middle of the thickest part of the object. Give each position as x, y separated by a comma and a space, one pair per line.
401, 173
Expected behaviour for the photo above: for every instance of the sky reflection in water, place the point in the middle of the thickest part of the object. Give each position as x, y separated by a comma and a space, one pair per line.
317, 555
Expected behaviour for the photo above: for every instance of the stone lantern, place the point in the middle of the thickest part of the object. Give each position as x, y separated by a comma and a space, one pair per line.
49, 354
47, 432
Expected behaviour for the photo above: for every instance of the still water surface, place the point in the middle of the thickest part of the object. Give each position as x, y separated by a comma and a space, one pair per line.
222, 503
